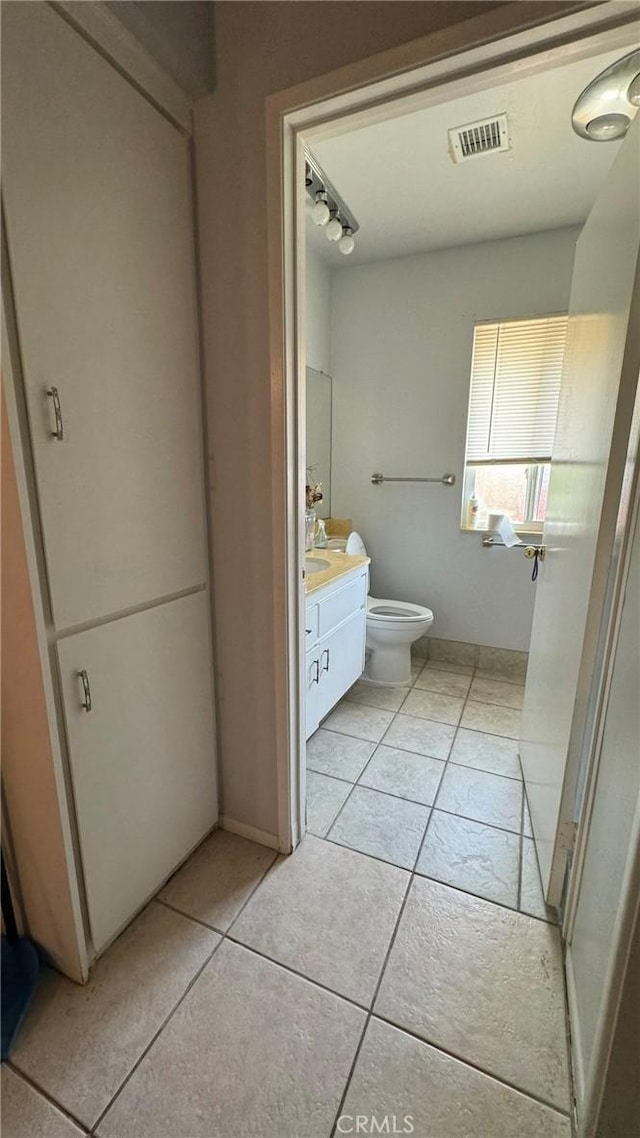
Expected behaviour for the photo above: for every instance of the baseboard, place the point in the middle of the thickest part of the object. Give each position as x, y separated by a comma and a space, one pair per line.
262, 837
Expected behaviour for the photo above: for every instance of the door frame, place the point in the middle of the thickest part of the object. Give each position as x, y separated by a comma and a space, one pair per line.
473, 55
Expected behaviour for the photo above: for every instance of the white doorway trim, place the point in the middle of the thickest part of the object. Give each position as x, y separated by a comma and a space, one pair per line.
516, 39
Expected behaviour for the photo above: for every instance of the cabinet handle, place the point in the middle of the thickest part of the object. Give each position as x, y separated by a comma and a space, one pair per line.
54, 394
316, 678
86, 690
308, 631
326, 666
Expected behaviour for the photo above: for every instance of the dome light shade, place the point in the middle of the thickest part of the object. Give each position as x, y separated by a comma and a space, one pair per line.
334, 229
607, 128
346, 244
320, 211
604, 110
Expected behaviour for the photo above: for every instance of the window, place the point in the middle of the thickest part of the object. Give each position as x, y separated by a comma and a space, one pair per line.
513, 404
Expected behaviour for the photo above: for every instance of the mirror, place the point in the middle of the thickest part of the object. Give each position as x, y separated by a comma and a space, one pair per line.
319, 434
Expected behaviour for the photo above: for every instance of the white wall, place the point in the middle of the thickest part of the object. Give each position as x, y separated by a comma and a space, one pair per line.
402, 336
318, 308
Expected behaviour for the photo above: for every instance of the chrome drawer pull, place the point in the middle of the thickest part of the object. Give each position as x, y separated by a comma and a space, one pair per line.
86, 690
316, 678
53, 394
325, 666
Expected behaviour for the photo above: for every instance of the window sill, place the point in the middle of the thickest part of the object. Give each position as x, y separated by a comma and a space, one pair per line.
525, 536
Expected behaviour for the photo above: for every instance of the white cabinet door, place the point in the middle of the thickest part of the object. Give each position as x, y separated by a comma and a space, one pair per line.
142, 759
341, 656
97, 193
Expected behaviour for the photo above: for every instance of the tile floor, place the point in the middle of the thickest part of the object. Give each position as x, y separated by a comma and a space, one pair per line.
370, 974
428, 778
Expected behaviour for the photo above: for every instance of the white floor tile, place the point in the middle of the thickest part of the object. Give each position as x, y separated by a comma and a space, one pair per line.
362, 722
482, 796
447, 683
27, 1114
403, 773
493, 720
381, 825
433, 705
397, 1076
473, 857
410, 733
483, 983
217, 879
253, 1052
493, 753
328, 913
325, 796
531, 895
378, 695
501, 694
79, 1042
338, 755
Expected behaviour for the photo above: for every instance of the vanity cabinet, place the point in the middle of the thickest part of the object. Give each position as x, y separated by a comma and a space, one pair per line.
335, 630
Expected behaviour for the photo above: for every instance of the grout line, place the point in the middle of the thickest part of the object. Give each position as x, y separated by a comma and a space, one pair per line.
150, 1044
299, 975
370, 1010
187, 916
474, 1066
46, 1096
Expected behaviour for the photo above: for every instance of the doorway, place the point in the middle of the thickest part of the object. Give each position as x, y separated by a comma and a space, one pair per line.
442, 661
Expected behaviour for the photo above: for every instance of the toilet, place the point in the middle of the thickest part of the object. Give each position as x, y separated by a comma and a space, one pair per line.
392, 627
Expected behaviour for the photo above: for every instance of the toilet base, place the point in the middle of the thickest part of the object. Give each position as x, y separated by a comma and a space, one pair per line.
389, 664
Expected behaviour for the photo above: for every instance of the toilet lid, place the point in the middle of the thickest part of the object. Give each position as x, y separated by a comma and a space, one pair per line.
397, 610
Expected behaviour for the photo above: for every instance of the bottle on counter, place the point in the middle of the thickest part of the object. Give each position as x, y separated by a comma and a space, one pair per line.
320, 540
472, 512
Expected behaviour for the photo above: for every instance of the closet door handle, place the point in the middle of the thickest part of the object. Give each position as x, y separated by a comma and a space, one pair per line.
325, 667
86, 690
54, 395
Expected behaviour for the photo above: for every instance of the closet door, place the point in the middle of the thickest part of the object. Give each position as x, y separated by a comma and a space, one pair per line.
97, 195
142, 759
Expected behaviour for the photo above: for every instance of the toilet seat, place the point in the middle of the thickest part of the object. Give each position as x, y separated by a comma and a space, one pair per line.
386, 612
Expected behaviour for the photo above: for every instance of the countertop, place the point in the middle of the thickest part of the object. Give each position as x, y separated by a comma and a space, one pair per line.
339, 564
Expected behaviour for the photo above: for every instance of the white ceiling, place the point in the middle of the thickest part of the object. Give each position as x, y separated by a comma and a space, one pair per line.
409, 197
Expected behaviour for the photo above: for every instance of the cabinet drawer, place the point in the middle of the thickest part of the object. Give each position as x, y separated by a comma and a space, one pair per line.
341, 605
311, 624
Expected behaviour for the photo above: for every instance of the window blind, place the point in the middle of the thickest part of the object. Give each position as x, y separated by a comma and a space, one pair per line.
515, 387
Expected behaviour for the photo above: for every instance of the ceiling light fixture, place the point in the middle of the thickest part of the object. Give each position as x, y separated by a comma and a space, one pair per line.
604, 110
328, 210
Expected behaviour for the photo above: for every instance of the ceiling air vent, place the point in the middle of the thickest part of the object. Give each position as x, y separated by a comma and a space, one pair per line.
484, 137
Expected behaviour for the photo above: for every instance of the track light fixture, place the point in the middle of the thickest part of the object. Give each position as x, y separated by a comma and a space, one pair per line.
329, 211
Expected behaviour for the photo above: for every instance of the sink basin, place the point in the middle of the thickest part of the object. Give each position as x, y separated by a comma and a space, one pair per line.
315, 564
